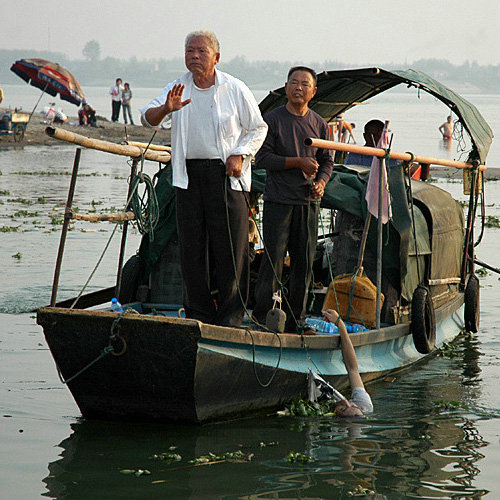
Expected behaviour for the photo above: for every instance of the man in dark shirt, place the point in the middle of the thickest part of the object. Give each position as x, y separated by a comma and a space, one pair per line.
296, 178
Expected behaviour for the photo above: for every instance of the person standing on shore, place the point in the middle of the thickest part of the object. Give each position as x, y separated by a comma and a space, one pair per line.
295, 183
126, 97
116, 99
216, 129
446, 129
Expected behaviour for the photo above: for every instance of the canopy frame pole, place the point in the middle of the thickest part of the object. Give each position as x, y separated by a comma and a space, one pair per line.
364, 237
133, 173
468, 251
64, 232
379, 242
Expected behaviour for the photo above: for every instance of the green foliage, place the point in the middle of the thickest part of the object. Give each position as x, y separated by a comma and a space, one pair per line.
450, 405
304, 408
168, 457
9, 229
25, 213
492, 221
136, 472
481, 272
450, 350
360, 491
56, 221
18, 256
232, 456
296, 457
23, 201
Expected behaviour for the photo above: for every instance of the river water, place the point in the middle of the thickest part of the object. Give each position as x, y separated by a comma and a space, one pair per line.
435, 432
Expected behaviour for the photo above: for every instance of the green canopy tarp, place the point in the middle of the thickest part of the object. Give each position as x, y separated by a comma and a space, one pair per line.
340, 90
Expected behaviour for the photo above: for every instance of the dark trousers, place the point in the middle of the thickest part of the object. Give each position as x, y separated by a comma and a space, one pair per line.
208, 253
292, 227
115, 107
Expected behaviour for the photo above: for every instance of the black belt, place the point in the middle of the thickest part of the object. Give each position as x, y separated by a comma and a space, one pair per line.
205, 163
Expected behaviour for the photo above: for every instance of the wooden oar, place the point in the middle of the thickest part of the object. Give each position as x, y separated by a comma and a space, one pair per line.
365, 150
108, 147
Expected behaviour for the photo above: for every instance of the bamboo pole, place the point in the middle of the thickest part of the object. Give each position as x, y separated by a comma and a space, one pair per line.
64, 232
109, 147
378, 152
145, 145
117, 217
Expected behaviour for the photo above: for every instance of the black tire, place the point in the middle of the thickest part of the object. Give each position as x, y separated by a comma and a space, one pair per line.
471, 309
131, 273
423, 321
18, 132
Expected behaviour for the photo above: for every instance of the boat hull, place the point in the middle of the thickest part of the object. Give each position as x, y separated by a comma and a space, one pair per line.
157, 368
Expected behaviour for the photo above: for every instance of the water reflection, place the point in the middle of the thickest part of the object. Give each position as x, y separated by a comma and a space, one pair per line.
446, 145
409, 448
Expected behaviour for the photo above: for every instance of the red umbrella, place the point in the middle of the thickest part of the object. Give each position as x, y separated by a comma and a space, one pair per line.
50, 77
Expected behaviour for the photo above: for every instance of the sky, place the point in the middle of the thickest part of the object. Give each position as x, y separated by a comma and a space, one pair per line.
356, 32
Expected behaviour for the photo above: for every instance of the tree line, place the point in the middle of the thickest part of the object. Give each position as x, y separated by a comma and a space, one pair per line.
266, 75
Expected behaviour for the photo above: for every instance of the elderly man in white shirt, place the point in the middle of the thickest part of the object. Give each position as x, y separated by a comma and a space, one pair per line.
216, 130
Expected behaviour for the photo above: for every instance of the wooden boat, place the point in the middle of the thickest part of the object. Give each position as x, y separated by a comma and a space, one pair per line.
149, 363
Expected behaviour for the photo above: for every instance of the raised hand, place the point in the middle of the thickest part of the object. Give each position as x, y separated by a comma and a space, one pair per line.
174, 100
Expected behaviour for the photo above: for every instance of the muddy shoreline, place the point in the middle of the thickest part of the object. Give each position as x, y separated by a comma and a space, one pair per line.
107, 131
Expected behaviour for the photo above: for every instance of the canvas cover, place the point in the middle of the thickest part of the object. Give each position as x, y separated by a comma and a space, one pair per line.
340, 90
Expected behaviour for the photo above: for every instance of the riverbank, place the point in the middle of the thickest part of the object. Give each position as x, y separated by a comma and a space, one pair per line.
107, 131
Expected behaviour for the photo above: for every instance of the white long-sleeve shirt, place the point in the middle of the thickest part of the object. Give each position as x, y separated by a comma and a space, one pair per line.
237, 119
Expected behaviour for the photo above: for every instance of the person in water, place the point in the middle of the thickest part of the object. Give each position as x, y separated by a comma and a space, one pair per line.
446, 128
360, 402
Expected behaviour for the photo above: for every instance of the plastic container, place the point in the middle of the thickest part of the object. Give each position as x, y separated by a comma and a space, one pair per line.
321, 326
115, 305
353, 328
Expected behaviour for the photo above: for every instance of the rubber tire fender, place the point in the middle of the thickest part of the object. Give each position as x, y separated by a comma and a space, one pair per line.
131, 272
423, 321
471, 308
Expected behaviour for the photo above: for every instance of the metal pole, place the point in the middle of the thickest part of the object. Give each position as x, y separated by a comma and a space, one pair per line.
39, 99
363, 240
67, 219
379, 242
469, 238
133, 173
